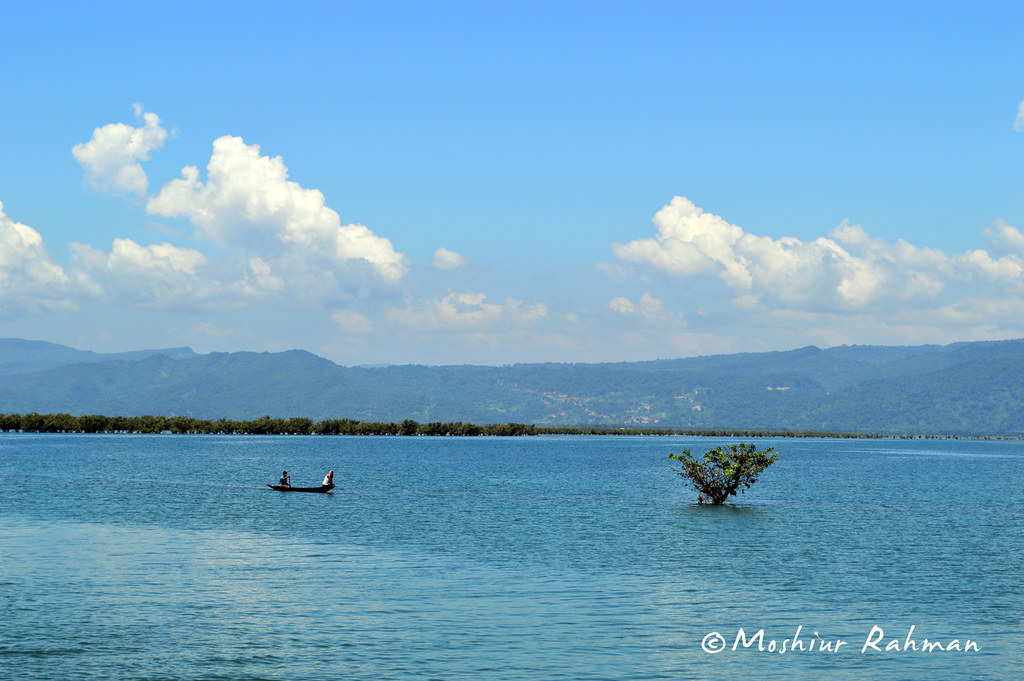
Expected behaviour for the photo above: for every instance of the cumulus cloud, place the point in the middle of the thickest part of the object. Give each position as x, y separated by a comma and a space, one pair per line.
448, 260
111, 158
648, 306
29, 279
1004, 238
283, 242
159, 275
1018, 124
258, 279
845, 272
248, 203
468, 311
622, 304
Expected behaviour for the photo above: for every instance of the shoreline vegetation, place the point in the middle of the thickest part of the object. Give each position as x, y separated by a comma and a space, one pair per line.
266, 425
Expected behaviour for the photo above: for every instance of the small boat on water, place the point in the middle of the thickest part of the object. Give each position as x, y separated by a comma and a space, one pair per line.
326, 486
321, 488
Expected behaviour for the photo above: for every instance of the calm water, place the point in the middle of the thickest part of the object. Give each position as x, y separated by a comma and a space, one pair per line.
167, 557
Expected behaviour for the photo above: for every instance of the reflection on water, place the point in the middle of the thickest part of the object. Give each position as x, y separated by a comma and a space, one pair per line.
167, 557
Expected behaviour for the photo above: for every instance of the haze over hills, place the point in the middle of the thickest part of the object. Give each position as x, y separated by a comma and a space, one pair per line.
964, 388
19, 356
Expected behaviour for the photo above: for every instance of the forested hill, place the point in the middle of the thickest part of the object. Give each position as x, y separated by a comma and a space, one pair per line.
963, 389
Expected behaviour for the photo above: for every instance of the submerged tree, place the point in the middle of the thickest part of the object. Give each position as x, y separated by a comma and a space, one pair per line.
723, 470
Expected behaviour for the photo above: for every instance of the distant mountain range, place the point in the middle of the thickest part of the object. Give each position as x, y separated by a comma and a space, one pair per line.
19, 356
959, 389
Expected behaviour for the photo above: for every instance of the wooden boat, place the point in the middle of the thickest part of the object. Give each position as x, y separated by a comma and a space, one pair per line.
321, 488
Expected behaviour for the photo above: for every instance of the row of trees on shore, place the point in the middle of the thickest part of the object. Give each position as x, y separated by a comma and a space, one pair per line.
97, 423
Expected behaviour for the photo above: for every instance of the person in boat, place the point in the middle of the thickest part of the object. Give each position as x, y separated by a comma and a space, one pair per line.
286, 480
328, 479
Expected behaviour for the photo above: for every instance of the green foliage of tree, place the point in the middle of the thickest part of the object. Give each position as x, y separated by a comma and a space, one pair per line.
723, 470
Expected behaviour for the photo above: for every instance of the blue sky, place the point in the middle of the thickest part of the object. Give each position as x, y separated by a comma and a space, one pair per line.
504, 182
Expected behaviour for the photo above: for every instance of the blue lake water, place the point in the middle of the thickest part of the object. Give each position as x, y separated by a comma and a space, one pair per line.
167, 557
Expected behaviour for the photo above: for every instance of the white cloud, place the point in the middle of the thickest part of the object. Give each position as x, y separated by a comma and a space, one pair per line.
160, 275
468, 311
29, 279
258, 279
283, 242
127, 255
353, 322
249, 204
448, 260
1004, 238
1009, 270
111, 158
845, 272
1018, 124
648, 306
689, 241
622, 304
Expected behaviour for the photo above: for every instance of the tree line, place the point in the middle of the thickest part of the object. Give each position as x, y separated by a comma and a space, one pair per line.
98, 423
706, 432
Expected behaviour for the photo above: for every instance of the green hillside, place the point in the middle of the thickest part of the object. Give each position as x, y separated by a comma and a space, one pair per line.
965, 388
